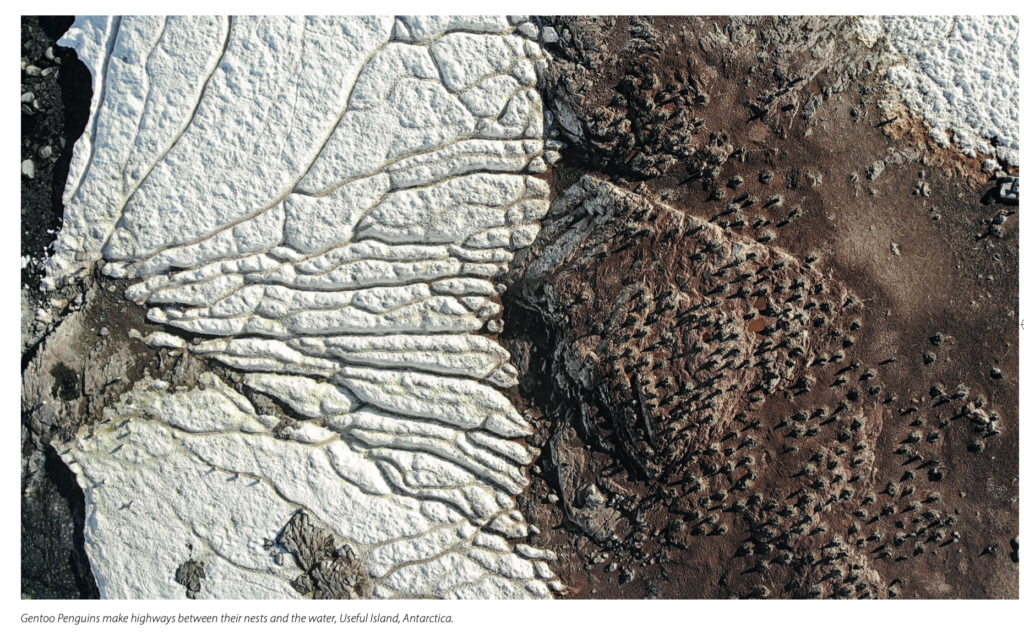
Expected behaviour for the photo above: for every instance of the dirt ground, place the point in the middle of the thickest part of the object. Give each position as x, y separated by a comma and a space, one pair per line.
914, 428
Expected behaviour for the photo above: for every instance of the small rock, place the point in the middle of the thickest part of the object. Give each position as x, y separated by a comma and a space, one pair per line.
45, 151
104, 332
591, 498
49, 53
549, 35
537, 165
552, 498
996, 374
895, 248
529, 30
876, 169
27, 97
33, 71
48, 71
28, 169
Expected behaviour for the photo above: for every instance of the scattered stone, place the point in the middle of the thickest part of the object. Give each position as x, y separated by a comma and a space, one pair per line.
529, 30
189, 575
876, 169
812, 105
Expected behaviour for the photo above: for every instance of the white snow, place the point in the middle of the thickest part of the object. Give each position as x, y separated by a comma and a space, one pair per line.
325, 203
962, 75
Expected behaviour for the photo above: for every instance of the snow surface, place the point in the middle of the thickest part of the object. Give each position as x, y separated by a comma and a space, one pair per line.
326, 203
962, 75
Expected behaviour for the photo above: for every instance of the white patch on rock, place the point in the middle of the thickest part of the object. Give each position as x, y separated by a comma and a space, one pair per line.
159, 340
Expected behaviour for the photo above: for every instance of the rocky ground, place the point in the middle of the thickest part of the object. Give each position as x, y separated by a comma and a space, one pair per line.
767, 332
56, 91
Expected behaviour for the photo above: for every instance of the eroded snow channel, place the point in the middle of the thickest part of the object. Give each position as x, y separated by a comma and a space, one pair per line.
325, 203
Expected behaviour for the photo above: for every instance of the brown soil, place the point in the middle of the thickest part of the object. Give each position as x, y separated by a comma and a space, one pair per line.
913, 244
